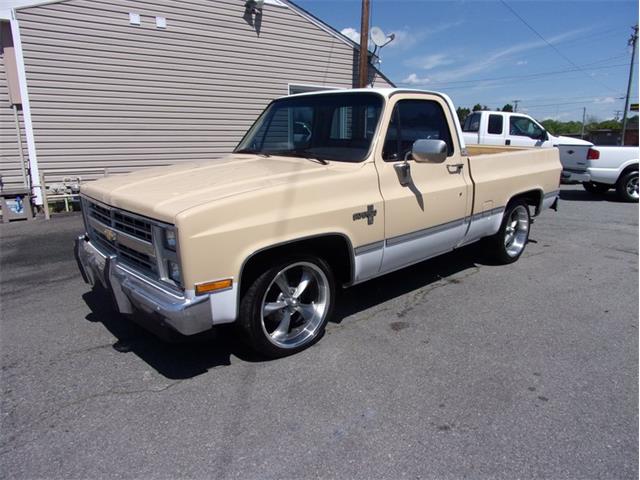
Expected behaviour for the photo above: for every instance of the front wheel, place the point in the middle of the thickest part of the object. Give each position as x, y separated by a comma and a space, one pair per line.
286, 309
596, 188
627, 187
507, 245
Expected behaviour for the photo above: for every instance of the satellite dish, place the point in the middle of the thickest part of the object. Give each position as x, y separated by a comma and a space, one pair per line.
378, 37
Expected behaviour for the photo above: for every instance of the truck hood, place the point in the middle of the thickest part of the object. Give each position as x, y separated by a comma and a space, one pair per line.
561, 140
163, 192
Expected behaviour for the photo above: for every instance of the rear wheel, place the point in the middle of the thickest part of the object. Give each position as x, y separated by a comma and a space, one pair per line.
596, 188
286, 309
508, 244
627, 187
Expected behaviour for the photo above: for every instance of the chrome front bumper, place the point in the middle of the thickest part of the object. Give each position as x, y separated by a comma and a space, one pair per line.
131, 291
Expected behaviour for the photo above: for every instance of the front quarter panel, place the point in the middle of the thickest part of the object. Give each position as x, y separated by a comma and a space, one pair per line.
217, 238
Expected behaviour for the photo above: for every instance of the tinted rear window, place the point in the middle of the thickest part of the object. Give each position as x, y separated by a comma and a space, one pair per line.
495, 124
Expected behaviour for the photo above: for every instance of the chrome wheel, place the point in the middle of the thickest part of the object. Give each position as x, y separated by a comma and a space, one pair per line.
295, 304
632, 187
516, 231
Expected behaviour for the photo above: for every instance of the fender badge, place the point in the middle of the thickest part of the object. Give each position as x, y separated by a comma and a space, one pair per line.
110, 234
369, 214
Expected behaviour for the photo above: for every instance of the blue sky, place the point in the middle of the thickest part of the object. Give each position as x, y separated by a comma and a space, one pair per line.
481, 52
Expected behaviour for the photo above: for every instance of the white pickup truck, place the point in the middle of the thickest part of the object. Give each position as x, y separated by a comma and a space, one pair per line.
520, 130
613, 167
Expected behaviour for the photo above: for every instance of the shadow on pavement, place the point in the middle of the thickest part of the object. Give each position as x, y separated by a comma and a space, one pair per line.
187, 357
584, 196
381, 289
181, 357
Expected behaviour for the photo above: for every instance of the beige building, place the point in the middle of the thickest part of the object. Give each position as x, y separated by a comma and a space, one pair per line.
89, 85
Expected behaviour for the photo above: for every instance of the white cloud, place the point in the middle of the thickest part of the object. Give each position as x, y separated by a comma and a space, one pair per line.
492, 59
605, 100
406, 38
522, 62
430, 62
413, 79
351, 33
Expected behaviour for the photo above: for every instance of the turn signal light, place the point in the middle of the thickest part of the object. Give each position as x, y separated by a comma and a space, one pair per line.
211, 287
593, 154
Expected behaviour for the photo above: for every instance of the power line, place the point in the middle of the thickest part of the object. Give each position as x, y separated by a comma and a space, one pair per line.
565, 103
595, 37
553, 46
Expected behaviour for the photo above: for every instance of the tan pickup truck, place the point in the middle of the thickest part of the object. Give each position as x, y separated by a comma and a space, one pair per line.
325, 190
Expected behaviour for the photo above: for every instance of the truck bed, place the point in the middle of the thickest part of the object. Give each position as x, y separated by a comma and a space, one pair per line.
499, 172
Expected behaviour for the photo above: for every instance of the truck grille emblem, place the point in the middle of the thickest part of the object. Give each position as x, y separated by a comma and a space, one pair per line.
369, 215
110, 234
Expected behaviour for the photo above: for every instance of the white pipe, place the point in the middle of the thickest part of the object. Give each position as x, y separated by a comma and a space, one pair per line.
36, 188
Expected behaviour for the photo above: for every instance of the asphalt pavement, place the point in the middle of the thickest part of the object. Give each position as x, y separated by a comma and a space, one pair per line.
453, 368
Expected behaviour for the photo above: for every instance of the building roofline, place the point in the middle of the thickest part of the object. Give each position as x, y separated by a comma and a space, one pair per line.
21, 4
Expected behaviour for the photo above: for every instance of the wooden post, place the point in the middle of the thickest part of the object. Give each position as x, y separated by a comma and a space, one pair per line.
632, 43
363, 72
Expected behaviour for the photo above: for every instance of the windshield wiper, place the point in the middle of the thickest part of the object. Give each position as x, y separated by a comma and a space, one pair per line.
303, 153
251, 150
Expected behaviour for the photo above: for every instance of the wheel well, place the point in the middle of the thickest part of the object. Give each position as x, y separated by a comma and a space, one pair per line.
629, 168
335, 249
532, 198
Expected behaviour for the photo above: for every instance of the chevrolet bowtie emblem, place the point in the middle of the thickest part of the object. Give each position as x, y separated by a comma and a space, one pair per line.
110, 234
369, 214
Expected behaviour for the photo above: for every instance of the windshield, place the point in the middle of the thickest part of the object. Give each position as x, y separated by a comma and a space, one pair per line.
334, 126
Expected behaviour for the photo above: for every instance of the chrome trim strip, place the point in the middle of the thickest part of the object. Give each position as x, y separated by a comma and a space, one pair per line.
370, 247
486, 213
424, 232
555, 193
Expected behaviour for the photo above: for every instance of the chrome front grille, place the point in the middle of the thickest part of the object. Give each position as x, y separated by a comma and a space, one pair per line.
128, 236
133, 226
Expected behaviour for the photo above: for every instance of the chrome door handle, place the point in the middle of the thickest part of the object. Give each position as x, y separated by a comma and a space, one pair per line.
455, 168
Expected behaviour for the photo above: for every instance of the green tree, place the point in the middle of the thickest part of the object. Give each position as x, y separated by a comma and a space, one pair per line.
507, 108
463, 113
477, 107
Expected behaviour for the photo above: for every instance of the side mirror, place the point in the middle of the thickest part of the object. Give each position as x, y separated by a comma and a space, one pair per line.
429, 151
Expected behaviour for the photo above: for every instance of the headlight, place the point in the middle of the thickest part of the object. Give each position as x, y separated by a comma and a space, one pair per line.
173, 270
170, 240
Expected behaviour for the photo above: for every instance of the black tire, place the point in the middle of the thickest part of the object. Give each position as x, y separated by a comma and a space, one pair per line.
261, 331
627, 187
596, 188
500, 250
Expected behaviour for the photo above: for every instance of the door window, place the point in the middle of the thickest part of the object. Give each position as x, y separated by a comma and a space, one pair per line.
472, 123
495, 124
413, 120
524, 127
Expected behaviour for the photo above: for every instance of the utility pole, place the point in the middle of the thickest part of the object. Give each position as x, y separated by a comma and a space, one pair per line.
515, 104
632, 41
616, 115
363, 71
584, 119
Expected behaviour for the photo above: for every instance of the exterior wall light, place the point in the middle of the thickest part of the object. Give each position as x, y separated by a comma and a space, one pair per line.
254, 6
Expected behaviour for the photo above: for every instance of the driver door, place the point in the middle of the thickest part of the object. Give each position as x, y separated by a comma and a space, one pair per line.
426, 216
524, 132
